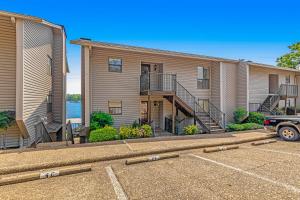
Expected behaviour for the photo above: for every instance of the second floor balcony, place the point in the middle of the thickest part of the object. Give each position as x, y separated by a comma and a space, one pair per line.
287, 90
157, 82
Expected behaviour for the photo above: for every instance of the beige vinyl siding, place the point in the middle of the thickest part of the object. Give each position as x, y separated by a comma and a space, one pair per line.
259, 82
58, 77
215, 84
11, 139
7, 64
187, 72
8, 78
229, 90
111, 86
38, 43
124, 86
242, 85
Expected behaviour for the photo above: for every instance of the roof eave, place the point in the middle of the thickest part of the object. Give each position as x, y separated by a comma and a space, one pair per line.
170, 53
31, 18
151, 51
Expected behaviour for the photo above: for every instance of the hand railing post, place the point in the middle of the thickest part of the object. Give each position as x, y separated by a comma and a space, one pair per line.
224, 122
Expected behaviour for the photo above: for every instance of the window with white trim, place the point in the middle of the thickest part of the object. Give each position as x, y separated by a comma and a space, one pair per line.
115, 107
115, 65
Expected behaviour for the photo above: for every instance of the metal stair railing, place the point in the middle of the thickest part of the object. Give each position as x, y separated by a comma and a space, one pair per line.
275, 98
168, 82
217, 115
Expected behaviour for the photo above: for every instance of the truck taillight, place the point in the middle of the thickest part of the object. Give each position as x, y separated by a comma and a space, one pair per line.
267, 122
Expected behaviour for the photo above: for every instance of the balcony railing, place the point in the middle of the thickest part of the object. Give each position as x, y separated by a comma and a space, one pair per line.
168, 83
288, 90
158, 82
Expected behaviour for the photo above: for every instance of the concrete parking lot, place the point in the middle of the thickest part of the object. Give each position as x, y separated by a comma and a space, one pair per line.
268, 171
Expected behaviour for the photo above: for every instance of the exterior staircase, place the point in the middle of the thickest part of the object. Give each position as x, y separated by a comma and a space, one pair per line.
270, 104
211, 120
208, 121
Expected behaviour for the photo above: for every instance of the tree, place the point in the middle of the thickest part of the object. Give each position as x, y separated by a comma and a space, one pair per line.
292, 59
74, 97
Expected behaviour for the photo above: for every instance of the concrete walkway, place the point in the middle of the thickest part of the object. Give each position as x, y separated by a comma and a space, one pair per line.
68, 156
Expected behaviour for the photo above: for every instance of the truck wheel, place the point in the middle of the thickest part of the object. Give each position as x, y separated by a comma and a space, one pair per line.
288, 133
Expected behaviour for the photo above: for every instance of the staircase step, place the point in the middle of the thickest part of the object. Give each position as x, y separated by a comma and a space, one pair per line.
214, 127
217, 131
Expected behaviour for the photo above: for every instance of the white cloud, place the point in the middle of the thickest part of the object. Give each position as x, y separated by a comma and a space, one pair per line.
73, 84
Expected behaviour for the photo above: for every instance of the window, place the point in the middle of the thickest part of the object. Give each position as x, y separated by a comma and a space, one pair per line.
203, 103
115, 107
288, 79
203, 78
49, 102
115, 65
50, 65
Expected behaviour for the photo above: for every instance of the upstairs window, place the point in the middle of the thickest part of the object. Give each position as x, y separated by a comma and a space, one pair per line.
50, 65
115, 65
115, 107
203, 78
49, 102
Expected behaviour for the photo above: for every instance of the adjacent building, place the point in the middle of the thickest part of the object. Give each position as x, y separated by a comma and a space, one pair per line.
33, 68
171, 89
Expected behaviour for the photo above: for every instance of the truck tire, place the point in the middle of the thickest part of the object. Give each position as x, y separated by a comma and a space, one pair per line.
288, 133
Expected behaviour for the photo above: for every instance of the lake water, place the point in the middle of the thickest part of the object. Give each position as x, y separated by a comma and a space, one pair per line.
73, 109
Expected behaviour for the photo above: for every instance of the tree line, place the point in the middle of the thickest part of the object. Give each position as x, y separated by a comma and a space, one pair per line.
74, 97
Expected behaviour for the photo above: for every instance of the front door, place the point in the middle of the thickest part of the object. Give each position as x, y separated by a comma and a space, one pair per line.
145, 69
273, 83
145, 76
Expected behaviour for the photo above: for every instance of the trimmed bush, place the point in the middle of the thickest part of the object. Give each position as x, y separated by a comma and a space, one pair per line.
190, 129
6, 119
104, 134
243, 127
127, 132
256, 117
240, 114
147, 130
100, 120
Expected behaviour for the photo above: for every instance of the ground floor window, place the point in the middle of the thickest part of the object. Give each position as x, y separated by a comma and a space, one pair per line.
115, 107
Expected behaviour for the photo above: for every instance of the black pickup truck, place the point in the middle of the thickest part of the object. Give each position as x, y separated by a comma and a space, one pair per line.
287, 127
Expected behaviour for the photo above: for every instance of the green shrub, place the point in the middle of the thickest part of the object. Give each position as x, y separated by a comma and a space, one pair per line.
240, 114
125, 132
190, 129
256, 117
104, 134
6, 119
135, 124
147, 130
243, 127
135, 132
100, 120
